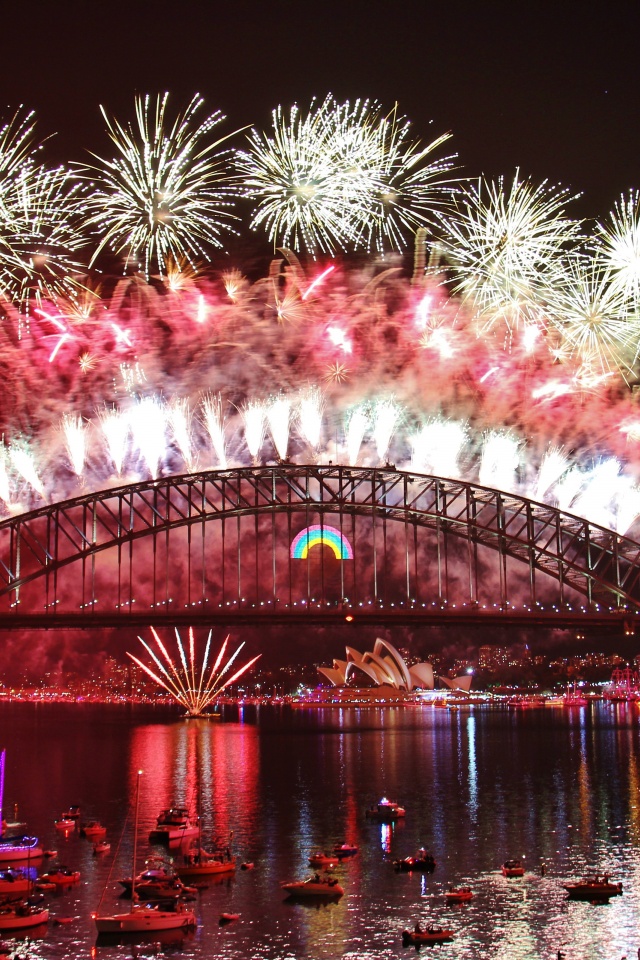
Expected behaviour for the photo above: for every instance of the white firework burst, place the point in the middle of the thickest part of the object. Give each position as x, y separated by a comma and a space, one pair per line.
501, 242
341, 176
409, 182
295, 179
167, 194
589, 311
618, 245
40, 236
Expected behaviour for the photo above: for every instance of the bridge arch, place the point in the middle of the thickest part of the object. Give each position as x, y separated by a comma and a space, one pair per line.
217, 545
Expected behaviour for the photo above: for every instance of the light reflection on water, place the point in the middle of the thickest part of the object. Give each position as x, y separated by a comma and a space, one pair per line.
479, 785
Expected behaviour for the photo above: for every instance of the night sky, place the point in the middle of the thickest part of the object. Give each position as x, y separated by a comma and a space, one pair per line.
549, 88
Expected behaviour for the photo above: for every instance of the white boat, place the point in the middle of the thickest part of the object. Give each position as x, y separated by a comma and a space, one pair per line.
14, 885
174, 824
19, 848
18, 916
143, 917
92, 829
102, 846
386, 811
321, 859
315, 886
15, 848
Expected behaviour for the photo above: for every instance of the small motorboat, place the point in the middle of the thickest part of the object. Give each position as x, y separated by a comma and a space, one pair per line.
513, 868
247, 865
50, 853
430, 934
62, 877
65, 823
315, 886
596, 887
45, 886
156, 869
18, 916
73, 813
102, 846
168, 889
228, 918
459, 894
386, 811
343, 850
422, 861
93, 829
323, 860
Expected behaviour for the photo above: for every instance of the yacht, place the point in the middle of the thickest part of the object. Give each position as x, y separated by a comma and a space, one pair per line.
173, 824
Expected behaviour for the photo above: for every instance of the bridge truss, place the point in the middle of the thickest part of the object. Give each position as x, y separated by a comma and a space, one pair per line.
215, 547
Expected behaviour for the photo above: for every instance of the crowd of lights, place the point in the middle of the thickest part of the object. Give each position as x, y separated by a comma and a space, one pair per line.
508, 356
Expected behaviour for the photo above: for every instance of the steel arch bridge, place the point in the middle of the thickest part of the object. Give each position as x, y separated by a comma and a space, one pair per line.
216, 546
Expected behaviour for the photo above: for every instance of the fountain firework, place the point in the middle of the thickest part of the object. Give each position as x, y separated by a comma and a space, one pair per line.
195, 687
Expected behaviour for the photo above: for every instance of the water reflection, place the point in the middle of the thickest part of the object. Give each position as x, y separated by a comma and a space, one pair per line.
478, 787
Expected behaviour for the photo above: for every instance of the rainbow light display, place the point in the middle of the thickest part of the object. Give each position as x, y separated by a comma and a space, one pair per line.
315, 535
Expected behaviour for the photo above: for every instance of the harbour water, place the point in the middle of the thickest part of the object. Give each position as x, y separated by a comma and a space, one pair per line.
557, 788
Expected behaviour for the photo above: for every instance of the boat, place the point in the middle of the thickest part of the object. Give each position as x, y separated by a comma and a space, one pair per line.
73, 813
422, 861
513, 868
62, 877
102, 846
458, 894
624, 686
50, 853
247, 865
386, 811
143, 917
93, 829
18, 916
343, 850
173, 824
426, 935
228, 918
596, 887
315, 886
156, 869
65, 823
200, 862
14, 848
323, 860
14, 885
19, 848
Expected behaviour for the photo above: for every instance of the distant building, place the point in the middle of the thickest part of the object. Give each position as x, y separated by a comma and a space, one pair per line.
384, 666
491, 657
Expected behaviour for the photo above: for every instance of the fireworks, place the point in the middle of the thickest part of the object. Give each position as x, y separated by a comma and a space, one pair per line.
341, 176
504, 244
195, 687
505, 358
40, 215
167, 195
618, 245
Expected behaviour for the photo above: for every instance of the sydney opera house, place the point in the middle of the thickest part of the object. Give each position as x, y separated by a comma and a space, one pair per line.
384, 667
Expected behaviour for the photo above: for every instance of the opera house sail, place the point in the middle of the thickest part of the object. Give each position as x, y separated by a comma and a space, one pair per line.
384, 666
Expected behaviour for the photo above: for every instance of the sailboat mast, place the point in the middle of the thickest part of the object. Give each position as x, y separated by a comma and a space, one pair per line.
135, 842
2, 759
